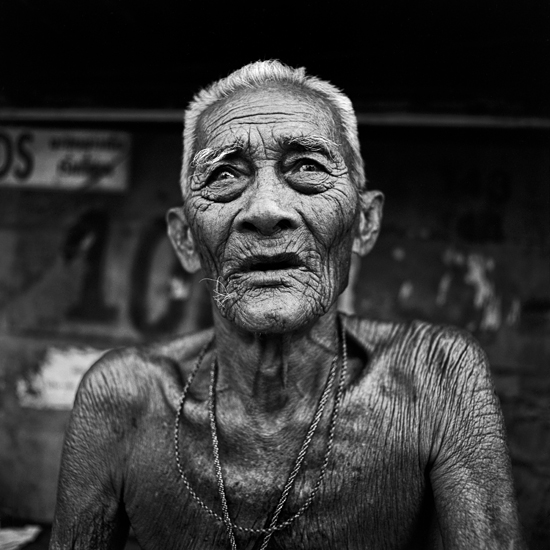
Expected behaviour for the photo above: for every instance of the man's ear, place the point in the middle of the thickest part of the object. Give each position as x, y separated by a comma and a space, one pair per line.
182, 239
370, 219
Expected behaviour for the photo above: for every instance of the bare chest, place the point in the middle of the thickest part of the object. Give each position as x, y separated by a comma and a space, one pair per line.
373, 492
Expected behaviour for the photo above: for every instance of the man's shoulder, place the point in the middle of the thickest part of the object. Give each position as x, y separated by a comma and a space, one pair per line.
129, 373
375, 332
418, 344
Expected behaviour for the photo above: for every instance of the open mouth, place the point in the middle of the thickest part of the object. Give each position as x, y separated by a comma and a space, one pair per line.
277, 262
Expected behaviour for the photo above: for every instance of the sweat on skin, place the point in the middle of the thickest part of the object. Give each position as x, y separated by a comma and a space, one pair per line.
272, 216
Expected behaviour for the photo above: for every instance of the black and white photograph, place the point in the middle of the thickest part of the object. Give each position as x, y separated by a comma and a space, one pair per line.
274, 276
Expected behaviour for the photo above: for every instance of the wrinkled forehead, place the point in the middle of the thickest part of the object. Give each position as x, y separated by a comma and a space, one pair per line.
262, 115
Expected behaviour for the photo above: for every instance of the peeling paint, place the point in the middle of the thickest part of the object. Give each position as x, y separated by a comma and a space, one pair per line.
406, 290
398, 254
492, 315
478, 269
476, 276
443, 289
513, 316
452, 257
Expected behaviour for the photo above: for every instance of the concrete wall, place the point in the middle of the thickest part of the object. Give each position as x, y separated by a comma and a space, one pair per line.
465, 240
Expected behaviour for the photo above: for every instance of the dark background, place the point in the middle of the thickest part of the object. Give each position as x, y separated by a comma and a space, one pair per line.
469, 56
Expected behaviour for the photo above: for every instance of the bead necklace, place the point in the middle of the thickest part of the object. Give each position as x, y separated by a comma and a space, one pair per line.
230, 526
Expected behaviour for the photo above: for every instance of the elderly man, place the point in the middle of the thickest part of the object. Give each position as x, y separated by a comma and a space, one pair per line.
287, 425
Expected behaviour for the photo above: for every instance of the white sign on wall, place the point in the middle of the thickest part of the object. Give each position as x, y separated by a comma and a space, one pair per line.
64, 159
54, 385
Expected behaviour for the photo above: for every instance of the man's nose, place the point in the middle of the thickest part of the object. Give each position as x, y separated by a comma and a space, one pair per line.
269, 207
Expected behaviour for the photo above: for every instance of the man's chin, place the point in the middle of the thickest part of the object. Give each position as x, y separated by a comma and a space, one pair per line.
271, 316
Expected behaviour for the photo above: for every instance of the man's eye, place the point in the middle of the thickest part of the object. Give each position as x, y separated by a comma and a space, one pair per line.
223, 174
224, 184
309, 166
309, 177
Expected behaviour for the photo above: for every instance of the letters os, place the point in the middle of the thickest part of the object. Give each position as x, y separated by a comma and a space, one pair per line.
16, 157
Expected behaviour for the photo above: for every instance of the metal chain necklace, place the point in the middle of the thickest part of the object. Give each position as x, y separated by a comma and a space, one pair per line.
274, 526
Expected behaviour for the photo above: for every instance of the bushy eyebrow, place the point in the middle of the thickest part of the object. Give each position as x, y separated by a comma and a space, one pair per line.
312, 143
210, 155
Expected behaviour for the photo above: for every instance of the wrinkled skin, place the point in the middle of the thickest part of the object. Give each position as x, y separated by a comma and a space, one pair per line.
265, 197
419, 457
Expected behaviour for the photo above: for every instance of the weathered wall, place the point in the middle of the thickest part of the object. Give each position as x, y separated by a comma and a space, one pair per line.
465, 240
80, 273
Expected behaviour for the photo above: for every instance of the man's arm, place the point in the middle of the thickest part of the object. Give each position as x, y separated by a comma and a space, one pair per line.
89, 511
471, 471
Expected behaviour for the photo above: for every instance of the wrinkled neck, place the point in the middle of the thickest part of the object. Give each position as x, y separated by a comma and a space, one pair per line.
275, 371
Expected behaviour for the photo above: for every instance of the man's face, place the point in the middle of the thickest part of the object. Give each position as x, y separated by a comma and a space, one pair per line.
272, 208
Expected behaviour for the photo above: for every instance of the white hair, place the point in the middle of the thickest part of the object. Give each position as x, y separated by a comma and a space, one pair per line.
258, 74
